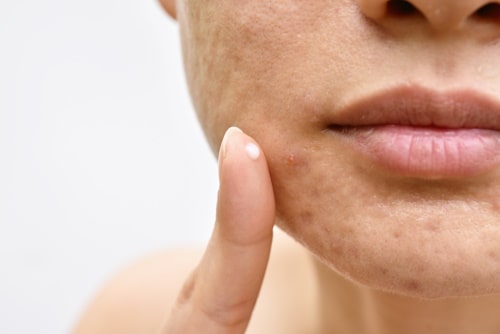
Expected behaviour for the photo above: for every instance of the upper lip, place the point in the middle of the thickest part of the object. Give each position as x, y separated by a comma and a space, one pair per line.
421, 107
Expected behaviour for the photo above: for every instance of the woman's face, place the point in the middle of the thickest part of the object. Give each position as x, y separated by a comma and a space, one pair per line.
380, 125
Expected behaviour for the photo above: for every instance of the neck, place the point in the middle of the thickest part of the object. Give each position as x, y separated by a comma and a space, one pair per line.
346, 307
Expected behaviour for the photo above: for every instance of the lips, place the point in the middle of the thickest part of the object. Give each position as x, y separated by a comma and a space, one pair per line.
419, 132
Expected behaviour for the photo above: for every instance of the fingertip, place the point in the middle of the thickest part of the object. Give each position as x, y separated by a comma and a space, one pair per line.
245, 194
227, 141
232, 141
237, 152
220, 297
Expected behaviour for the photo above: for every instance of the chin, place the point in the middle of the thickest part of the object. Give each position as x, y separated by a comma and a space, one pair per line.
428, 240
410, 263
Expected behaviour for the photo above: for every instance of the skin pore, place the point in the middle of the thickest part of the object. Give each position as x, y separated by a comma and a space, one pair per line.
384, 247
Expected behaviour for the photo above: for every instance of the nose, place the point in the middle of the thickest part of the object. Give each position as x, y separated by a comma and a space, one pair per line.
440, 15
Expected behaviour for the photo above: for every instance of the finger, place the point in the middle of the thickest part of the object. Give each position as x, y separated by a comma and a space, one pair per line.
221, 294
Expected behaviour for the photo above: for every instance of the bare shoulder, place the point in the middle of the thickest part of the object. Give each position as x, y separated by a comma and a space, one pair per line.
139, 298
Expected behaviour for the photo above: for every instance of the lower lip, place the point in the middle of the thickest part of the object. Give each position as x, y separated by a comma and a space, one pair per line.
427, 151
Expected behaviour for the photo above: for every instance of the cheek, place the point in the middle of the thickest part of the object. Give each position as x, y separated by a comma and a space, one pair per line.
316, 200
254, 56
309, 191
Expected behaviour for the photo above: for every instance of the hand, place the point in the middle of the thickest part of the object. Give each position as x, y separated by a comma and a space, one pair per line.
220, 294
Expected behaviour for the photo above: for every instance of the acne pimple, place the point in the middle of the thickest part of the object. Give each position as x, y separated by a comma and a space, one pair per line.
291, 160
295, 160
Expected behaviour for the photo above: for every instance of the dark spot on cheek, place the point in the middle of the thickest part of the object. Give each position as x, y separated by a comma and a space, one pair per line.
306, 217
396, 234
412, 285
383, 270
493, 255
337, 249
340, 249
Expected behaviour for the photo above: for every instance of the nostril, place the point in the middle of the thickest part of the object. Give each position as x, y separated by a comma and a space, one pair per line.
401, 8
490, 11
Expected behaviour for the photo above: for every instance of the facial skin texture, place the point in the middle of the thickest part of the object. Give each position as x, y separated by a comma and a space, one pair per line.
280, 69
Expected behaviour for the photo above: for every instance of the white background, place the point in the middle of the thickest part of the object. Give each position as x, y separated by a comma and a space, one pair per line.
101, 158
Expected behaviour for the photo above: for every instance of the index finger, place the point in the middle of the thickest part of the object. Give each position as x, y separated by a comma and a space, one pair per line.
221, 294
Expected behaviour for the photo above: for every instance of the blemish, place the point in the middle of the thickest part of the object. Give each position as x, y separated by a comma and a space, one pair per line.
396, 234
384, 271
412, 285
493, 255
295, 160
291, 160
306, 217
337, 249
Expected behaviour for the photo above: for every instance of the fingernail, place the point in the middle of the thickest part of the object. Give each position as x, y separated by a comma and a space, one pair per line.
225, 140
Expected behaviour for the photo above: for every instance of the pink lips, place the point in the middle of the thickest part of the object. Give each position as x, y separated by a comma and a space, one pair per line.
422, 133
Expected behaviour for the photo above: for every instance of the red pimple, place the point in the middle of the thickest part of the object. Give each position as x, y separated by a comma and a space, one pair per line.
291, 160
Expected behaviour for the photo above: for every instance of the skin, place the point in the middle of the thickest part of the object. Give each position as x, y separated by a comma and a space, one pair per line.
379, 252
278, 70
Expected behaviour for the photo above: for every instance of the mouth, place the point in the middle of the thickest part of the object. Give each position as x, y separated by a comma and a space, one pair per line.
419, 132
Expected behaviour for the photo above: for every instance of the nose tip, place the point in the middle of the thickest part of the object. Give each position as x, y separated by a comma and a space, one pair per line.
440, 15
